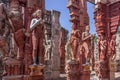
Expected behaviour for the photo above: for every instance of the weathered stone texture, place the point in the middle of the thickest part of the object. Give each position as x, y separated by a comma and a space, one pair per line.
52, 41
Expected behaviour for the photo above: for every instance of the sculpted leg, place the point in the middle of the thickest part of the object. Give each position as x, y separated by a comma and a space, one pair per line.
35, 44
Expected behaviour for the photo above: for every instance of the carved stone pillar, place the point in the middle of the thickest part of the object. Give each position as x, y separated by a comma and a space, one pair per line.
55, 56
48, 44
52, 55
80, 47
107, 22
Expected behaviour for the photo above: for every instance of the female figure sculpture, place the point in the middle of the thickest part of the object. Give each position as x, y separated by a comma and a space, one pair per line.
102, 46
87, 39
37, 35
75, 36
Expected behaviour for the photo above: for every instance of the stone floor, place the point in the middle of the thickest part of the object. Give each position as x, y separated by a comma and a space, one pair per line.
93, 77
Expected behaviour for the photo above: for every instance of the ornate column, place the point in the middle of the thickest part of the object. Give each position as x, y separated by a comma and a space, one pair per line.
80, 41
52, 37
100, 23
55, 56
72, 66
107, 22
48, 45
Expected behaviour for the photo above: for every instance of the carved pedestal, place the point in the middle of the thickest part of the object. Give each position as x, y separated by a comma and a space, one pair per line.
85, 73
37, 72
72, 70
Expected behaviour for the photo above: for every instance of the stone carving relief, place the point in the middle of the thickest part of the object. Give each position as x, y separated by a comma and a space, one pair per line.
16, 22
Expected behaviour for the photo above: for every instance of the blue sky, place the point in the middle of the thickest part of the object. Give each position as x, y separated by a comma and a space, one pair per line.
60, 5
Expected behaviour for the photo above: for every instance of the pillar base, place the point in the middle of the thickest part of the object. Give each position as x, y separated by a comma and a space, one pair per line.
85, 73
